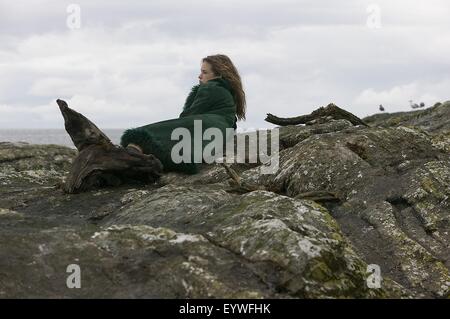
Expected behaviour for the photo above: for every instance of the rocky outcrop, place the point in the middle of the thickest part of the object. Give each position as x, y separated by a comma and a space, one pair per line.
431, 120
188, 237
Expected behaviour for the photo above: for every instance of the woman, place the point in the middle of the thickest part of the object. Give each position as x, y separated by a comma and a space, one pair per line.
218, 101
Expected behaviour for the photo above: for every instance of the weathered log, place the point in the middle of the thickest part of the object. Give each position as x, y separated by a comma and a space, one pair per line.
100, 162
82, 131
238, 185
242, 187
98, 166
330, 110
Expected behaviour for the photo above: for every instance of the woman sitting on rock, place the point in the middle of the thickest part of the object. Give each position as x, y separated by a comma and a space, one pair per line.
218, 101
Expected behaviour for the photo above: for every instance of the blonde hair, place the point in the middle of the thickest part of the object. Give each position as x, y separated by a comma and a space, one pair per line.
222, 66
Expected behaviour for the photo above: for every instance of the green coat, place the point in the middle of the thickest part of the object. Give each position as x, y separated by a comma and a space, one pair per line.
212, 102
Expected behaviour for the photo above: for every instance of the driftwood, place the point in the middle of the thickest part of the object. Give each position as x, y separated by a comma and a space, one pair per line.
238, 185
82, 131
100, 162
331, 111
242, 187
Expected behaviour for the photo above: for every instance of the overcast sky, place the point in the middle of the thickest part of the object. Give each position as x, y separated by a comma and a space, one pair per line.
131, 63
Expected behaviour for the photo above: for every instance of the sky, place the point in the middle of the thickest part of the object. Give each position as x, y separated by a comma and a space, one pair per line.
129, 63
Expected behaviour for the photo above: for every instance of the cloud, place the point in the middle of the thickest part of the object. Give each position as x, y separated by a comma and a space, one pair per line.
396, 98
134, 63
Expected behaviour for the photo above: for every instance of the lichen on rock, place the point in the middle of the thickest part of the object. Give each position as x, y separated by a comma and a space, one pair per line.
188, 236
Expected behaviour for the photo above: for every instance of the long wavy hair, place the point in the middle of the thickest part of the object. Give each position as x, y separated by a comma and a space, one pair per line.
222, 66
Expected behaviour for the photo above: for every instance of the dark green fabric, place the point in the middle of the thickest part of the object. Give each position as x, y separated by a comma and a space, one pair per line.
212, 103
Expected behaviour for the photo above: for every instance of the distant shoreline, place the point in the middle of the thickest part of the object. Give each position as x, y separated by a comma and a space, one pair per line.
49, 136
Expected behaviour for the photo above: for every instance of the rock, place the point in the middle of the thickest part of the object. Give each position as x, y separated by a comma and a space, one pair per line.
187, 237
431, 120
301, 235
394, 193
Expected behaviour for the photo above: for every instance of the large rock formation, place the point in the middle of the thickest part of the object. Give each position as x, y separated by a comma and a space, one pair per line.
187, 237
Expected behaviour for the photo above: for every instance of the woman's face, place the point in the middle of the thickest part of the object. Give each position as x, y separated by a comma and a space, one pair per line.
206, 73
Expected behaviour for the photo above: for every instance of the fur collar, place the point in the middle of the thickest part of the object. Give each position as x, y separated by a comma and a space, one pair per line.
218, 81
191, 97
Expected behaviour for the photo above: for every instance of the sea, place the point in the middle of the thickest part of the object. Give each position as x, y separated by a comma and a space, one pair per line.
50, 136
